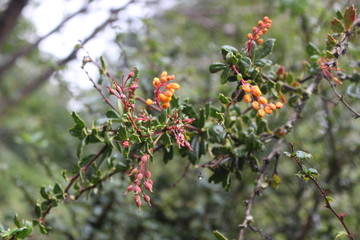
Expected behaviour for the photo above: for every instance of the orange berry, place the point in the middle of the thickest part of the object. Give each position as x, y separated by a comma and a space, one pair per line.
249, 35
247, 98
246, 88
272, 106
163, 79
156, 82
175, 86
263, 100
172, 90
254, 29
164, 74
266, 18
149, 102
268, 25
268, 109
260, 23
260, 41
257, 37
260, 33
265, 30
279, 105
166, 105
255, 91
261, 113
167, 99
270, 21
162, 97
255, 105
168, 94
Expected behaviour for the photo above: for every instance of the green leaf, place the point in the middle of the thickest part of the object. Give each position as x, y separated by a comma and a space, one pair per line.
103, 64
219, 236
58, 191
112, 114
194, 155
313, 172
16, 221
227, 49
122, 133
44, 191
265, 49
77, 130
263, 62
225, 75
349, 16
80, 147
37, 210
341, 235
353, 90
223, 99
339, 15
303, 155
217, 66
337, 26
231, 58
311, 49
330, 199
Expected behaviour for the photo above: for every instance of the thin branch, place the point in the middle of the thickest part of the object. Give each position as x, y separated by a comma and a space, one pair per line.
342, 100
322, 192
73, 180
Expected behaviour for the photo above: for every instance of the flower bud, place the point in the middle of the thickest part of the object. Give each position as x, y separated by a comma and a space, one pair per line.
144, 158
246, 88
137, 189
139, 176
272, 106
255, 105
261, 113
165, 105
247, 98
156, 82
279, 105
129, 189
148, 186
147, 199
255, 91
263, 100
267, 109
147, 174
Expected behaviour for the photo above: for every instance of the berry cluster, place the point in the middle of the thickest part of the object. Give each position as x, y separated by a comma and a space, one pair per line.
259, 103
142, 179
263, 27
163, 90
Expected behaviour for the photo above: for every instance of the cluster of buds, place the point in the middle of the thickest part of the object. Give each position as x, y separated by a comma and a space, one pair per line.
258, 102
142, 180
257, 32
164, 90
125, 89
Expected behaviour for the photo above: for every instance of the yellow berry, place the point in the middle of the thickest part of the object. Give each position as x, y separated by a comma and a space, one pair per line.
163, 79
168, 93
162, 97
279, 105
267, 109
255, 105
247, 98
263, 100
164, 74
272, 106
175, 86
246, 88
261, 113
255, 91
149, 102
156, 82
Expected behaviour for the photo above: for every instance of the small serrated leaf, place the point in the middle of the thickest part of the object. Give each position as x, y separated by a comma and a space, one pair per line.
265, 49
349, 17
337, 26
330, 199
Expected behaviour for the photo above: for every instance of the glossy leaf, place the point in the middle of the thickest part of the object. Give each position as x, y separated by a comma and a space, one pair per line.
312, 49
265, 49
217, 66
303, 155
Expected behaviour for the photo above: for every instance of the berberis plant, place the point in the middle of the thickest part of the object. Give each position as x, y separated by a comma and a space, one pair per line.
229, 134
